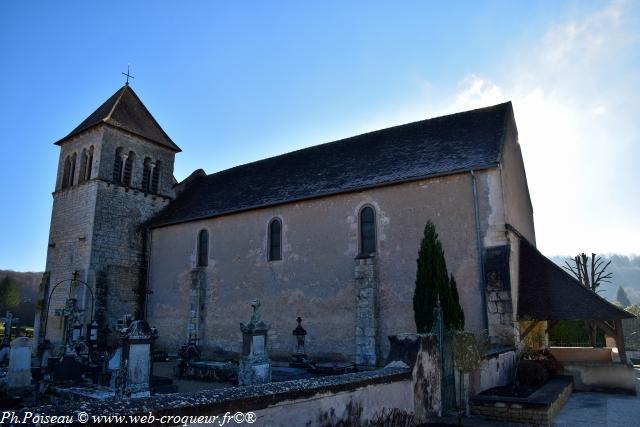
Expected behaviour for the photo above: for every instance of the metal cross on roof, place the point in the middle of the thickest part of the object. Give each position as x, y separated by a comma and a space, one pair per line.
128, 75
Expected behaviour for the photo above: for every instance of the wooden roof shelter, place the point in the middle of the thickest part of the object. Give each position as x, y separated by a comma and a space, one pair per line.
548, 293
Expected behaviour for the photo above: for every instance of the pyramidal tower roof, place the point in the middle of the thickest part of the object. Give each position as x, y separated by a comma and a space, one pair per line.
125, 111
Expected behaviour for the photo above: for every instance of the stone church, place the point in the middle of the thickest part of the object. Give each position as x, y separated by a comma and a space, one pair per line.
329, 233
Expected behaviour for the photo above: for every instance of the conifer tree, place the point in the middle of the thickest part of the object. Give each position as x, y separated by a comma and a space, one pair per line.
9, 294
433, 283
621, 296
457, 314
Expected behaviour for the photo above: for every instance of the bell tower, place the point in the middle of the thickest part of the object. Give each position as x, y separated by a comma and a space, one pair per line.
115, 171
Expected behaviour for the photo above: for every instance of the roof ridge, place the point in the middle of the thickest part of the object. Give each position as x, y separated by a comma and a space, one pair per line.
377, 131
427, 148
115, 104
133, 92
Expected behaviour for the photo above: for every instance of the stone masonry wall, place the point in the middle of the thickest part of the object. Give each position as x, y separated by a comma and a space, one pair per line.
315, 278
500, 312
197, 300
118, 247
113, 139
97, 228
367, 348
69, 250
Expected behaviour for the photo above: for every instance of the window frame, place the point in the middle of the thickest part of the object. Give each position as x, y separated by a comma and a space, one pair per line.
202, 259
271, 257
66, 172
118, 166
128, 169
361, 232
155, 177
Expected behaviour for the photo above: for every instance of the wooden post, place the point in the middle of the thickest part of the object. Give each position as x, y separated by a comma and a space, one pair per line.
620, 341
551, 324
529, 329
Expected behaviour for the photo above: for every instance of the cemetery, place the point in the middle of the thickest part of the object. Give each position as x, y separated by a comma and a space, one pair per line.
56, 379
411, 388
441, 374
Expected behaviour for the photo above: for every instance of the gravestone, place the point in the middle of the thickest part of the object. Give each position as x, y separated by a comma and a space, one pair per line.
19, 371
299, 358
255, 367
134, 374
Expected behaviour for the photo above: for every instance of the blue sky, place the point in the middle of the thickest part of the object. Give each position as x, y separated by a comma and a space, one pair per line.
233, 82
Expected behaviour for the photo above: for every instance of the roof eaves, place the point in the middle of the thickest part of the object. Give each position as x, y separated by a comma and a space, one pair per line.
73, 135
122, 129
320, 195
575, 282
174, 145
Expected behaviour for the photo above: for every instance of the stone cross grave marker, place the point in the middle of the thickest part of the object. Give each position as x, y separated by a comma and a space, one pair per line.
255, 367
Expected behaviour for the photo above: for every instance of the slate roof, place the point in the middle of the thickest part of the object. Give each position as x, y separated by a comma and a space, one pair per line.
124, 110
427, 148
547, 292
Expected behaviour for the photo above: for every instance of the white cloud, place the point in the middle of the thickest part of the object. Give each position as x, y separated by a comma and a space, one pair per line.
574, 96
572, 149
476, 92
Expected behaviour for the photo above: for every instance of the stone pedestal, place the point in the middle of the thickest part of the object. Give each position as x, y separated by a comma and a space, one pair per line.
367, 348
19, 371
255, 367
299, 358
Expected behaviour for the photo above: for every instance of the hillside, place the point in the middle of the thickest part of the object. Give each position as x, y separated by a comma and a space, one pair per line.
28, 284
626, 273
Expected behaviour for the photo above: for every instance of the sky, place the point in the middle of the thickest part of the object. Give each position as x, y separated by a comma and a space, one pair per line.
234, 82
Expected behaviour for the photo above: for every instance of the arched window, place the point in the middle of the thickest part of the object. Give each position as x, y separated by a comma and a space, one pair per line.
66, 173
128, 169
82, 176
72, 175
146, 174
87, 173
275, 240
155, 179
117, 166
203, 248
367, 231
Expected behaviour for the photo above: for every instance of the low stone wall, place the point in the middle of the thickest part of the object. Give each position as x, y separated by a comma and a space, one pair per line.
538, 409
496, 370
595, 376
581, 354
347, 399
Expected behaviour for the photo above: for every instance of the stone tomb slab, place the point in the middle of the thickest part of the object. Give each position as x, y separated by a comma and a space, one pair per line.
19, 370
